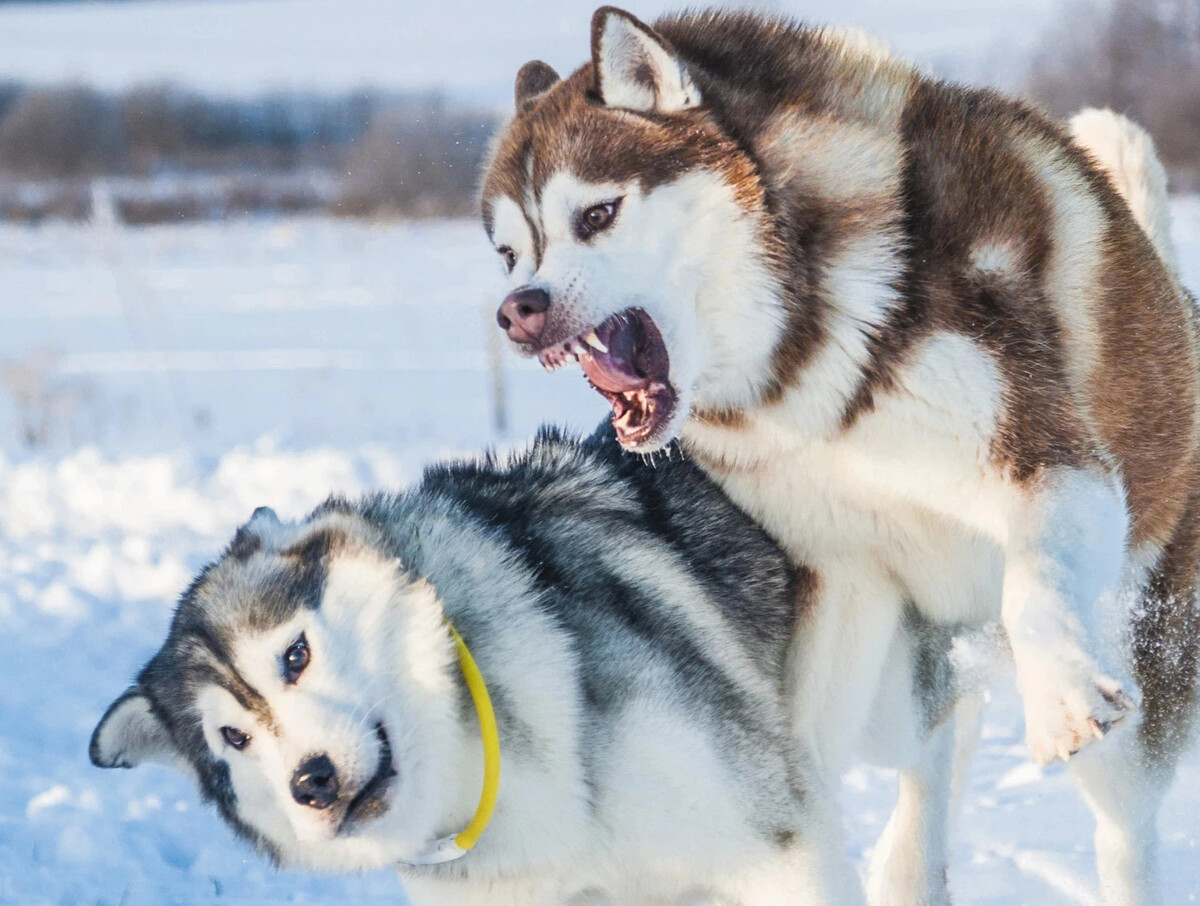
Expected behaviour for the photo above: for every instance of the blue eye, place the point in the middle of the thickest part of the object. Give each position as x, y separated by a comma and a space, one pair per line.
295, 659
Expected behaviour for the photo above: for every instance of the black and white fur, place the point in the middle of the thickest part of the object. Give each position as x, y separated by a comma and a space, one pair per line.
633, 628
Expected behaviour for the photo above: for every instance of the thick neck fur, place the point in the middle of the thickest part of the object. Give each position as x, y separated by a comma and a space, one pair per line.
492, 605
818, 116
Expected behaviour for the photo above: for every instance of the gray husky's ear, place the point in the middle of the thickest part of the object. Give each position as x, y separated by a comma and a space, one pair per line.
263, 515
534, 79
248, 539
636, 69
130, 733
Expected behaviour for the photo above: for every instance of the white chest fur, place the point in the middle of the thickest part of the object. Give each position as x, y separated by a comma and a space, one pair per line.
908, 489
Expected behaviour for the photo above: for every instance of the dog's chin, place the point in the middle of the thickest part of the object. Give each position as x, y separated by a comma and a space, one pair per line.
374, 797
343, 855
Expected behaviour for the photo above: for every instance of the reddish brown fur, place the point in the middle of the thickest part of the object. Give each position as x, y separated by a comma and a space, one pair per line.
966, 180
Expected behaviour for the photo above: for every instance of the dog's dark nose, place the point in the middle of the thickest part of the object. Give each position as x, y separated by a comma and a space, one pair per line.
315, 782
522, 314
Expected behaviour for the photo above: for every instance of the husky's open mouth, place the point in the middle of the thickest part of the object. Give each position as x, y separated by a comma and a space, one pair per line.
370, 801
626, 360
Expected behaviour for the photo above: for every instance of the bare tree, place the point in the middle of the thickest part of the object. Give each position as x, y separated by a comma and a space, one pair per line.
406, 154
1140, 57
419, 159
62, 131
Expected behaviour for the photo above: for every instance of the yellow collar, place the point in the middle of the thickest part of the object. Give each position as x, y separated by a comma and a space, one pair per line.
447, 849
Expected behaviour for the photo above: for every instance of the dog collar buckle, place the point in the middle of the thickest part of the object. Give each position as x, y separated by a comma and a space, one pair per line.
439, 853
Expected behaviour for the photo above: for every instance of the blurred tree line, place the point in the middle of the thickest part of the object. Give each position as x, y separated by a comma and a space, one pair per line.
1139, 57
167, 153
359, 154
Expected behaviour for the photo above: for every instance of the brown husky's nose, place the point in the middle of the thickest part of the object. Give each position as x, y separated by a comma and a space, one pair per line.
315, 782
522, 314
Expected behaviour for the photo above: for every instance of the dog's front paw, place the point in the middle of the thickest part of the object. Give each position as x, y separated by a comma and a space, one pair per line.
1065, 715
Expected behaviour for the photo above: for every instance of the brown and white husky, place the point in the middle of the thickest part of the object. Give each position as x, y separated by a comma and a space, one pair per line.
916, 331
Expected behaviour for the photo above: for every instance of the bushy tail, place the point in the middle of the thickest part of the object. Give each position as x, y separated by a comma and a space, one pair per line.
1126, 152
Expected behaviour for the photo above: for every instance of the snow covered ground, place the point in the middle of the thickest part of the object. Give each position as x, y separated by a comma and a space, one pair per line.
158, 384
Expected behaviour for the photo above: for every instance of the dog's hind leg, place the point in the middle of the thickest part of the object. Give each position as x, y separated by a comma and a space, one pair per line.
1124, 790
1124, 782
909, 864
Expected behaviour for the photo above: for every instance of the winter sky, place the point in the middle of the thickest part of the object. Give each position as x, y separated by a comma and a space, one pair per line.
470, 48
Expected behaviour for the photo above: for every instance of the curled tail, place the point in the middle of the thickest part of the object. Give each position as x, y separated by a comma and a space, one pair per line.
1126, 153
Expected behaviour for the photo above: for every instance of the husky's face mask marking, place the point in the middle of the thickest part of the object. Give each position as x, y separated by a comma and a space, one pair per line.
324, 757
622, 213
310, 746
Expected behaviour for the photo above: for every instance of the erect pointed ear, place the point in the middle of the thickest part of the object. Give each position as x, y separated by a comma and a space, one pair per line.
249, 538
636, 69
263, 515
534, 79
130, 733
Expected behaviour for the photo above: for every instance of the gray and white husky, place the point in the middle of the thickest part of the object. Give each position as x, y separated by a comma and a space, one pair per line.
927, 337
632, 627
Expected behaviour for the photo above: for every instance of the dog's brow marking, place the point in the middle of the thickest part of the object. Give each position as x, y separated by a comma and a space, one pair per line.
234, 683
530, 209
250, 699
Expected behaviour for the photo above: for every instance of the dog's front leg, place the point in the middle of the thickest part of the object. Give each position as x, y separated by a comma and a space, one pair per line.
1065, 554
910, 862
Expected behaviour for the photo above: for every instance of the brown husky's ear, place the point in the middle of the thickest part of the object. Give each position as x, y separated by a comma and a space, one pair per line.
130, 733
534, 79
636, 69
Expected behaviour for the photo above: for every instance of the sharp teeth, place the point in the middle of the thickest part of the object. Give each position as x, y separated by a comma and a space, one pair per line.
594, 341
578, 349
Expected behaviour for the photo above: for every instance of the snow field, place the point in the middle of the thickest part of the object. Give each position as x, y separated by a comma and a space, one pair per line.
200, 371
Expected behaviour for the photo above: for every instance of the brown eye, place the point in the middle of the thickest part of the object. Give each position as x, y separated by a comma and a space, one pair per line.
596, 218
509, 256
235, 737
295, 659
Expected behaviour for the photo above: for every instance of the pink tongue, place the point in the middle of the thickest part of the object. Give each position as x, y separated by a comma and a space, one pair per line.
609, 373
614, 370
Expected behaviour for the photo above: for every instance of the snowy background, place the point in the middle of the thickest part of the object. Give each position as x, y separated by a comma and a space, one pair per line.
188, 374
241, 46
157, 383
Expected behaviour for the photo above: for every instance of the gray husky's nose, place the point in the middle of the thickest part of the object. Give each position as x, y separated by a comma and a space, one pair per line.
522, 314
315, 782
